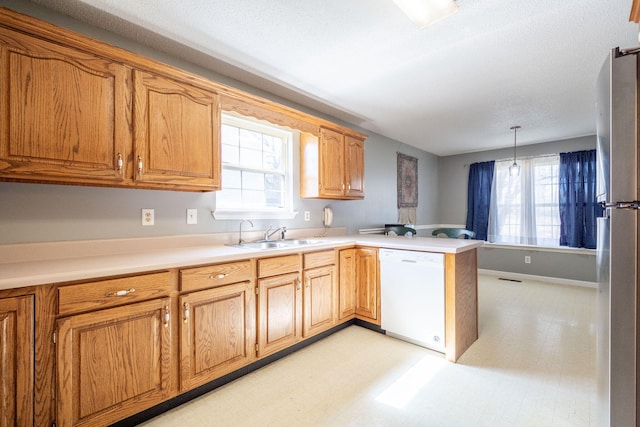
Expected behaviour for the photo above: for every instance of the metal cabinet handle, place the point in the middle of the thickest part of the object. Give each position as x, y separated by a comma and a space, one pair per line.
120, 293
185, 312
218, 276
167, 316
308, 282
139, 165
298, 284
120, 163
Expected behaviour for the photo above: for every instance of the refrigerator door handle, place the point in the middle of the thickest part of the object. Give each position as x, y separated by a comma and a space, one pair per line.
635, 204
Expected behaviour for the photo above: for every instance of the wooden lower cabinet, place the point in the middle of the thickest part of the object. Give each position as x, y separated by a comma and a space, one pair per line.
218, 332
113, 363
318, 300
359, 284
279, 312
368, 283
17, 352
347, 283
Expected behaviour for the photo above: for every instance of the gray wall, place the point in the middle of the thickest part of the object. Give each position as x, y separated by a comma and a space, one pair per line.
44, 212
453, 172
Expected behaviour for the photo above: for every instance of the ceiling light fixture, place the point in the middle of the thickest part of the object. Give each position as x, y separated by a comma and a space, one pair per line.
514, 169
427, 12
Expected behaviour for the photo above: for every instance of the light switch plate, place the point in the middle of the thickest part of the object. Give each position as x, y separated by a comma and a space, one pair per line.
192, 216
148, 217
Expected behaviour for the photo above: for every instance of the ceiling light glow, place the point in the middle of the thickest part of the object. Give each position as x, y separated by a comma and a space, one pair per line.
427, 12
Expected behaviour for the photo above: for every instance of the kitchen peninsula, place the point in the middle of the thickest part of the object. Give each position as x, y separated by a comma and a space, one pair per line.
189, 310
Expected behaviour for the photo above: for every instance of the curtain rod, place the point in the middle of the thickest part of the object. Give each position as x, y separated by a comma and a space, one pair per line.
510, 159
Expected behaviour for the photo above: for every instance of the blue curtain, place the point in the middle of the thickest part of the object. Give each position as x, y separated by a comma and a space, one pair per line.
479, 198
577, 197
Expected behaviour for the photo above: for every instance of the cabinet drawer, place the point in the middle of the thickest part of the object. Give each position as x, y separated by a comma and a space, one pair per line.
112, 292
318, 259
278, 265
215, 275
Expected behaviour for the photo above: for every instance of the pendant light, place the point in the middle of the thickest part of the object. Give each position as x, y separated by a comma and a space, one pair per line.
514, 169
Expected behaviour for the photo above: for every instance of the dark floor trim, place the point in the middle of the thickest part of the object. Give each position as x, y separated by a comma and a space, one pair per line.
203, 389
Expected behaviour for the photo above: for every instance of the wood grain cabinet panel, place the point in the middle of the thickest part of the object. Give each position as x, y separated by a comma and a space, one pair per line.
66, 113
368, 294
354, 167
113, 363
279, 313
331, 165
347, 284
319, 300
218, 332
176, 133
17, 352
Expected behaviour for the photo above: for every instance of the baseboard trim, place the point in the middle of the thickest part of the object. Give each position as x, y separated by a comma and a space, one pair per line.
547, 279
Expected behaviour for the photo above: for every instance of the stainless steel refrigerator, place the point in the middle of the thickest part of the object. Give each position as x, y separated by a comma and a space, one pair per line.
617, 254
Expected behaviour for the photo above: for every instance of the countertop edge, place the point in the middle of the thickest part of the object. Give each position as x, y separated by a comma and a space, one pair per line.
61, 270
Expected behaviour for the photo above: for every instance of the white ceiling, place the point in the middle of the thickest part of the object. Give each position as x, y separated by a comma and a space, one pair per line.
457, 86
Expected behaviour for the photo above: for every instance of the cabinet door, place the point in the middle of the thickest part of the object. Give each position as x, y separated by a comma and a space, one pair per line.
16, 361
176, 134
368, 299
218, 332
318, 300
113, 363
65, 113
279, 313
348, 283
354, 167
331, 163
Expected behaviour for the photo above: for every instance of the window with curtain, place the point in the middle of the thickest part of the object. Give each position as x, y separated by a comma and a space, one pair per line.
478, 198
524, 209
577, 199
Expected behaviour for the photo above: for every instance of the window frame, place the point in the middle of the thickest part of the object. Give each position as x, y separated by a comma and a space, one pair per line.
288, 136
509, 240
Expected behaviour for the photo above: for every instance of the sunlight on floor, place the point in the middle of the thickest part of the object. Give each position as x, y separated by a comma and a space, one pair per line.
411, 382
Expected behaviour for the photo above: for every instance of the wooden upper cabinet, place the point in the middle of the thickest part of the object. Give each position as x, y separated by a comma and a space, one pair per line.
17, 352
65, 113
176, 133
331, 165
354, 167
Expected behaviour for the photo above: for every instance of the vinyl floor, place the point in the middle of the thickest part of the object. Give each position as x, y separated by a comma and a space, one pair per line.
533, 365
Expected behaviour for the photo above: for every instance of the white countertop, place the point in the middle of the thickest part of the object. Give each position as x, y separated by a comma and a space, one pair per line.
36, 264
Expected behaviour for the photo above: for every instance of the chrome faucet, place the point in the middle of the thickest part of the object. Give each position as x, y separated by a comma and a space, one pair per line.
240, 240
269, 233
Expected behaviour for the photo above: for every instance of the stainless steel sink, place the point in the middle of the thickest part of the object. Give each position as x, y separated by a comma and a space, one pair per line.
298, 242
277, 244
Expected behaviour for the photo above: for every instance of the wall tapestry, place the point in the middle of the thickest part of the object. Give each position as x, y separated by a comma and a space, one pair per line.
407, 189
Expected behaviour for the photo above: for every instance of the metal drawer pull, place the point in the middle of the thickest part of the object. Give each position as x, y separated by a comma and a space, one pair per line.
218, 276
121, 293
186, 312
167, 316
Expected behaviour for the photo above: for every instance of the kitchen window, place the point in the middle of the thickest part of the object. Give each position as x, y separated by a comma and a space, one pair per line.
256, 170
524, 209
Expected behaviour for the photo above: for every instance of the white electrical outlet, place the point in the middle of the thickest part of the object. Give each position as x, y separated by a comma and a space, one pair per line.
148, 217
527, 260
192, 216
307, 216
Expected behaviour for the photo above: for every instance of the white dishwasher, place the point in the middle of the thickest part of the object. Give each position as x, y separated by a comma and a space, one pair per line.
412, 296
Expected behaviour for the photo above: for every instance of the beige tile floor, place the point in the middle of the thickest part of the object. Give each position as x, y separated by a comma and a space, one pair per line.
533, 365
